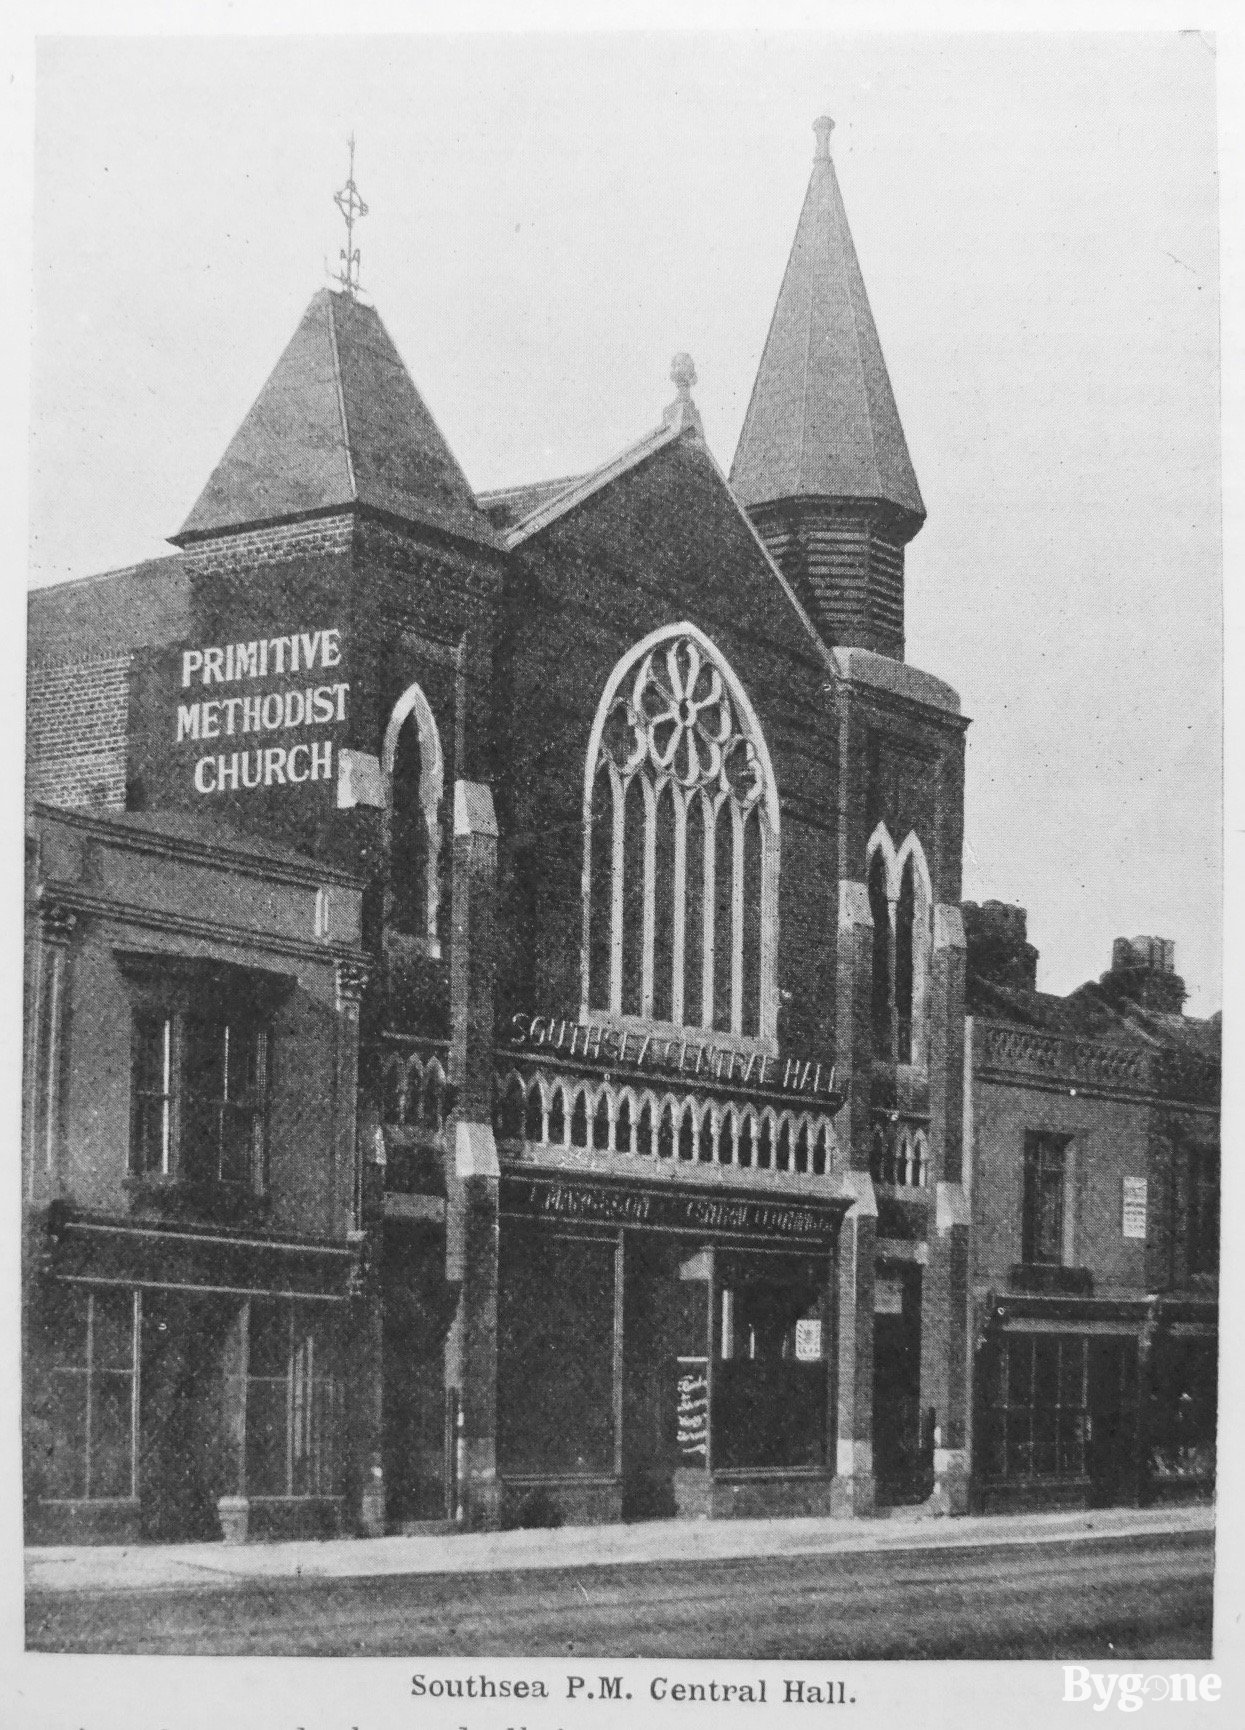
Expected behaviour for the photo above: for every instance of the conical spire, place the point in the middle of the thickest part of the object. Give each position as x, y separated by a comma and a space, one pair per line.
338, 423
822, 422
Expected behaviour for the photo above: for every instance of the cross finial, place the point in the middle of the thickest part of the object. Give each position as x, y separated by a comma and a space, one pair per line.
352, 208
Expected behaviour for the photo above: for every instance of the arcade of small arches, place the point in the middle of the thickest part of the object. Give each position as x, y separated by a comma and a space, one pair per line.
899, 1155
414, 1092
605, 1118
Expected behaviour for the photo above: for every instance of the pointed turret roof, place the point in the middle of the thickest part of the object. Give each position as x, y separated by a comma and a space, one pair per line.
822, 421
338, 423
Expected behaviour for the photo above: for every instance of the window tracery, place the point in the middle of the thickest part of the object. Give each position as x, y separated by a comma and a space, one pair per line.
680, 845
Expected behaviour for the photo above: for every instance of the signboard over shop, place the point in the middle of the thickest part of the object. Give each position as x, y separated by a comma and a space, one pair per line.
573, 1200
253, 704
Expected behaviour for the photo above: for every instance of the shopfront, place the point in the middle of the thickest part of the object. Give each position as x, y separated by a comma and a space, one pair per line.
662, 1351
180, 1411
1060, 1403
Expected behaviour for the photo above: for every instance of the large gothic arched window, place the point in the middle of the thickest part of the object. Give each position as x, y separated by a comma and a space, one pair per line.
680, 845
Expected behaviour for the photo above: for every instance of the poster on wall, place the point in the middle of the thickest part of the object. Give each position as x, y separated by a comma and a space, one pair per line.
808, 1340
692, 1411
1134, 1223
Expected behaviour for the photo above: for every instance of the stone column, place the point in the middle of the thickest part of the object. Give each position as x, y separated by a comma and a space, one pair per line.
472, 1227
46, 1177
233, 1505
351, 982
854, 1019
945, 1379
355, 1201
853, 1490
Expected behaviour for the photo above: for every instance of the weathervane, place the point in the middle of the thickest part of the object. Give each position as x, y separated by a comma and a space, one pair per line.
352, 208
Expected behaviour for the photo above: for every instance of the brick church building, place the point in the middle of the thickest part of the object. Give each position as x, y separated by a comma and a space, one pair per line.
550, 901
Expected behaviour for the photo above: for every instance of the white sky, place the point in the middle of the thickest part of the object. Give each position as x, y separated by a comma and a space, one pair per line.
552, 217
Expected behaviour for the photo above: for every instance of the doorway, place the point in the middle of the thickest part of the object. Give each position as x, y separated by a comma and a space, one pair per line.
419, 1307
666, 1318
902, 1456
1111, 1448
181, 1407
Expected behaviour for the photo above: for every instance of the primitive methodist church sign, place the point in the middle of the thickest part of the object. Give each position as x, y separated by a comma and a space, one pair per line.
253, 702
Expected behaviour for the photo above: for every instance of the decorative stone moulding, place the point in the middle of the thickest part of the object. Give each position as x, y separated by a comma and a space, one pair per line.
1068, 1057
568, 1113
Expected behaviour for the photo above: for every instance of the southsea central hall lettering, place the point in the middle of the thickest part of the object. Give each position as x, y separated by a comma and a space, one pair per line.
691, 1057
306, 704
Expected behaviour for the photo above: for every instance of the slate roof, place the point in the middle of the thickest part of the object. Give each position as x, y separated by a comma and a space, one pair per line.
1092, 1013
506, 506
339, 422
546, 505
822, 420
145, 605
214, 830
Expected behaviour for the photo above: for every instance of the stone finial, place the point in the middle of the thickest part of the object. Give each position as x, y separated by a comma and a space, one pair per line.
683, 373
683, 409
823, 126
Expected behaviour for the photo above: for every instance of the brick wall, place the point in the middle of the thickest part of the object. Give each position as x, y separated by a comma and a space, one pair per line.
77, 715
227, 554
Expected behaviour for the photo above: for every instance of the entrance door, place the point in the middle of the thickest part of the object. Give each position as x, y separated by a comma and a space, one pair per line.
181, 1401
654, 1299
1111, 1452
419, 1307
898, 1454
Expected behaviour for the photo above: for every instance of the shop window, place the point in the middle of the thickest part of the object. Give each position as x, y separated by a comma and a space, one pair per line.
1204, 1210
414, 775
681, 831
90, 1438
198, 1096
1045, 1203
769, 1386
555, 1354
293, 1402
1035, 1416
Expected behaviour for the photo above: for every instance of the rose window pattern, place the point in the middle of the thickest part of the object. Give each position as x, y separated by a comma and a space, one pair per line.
680, 853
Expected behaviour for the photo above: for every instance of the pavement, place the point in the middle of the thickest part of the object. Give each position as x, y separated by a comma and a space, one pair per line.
155, 1567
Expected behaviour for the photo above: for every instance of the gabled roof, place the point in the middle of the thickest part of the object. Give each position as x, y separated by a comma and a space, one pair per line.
506, 506
547, 504
338, 423
822, 420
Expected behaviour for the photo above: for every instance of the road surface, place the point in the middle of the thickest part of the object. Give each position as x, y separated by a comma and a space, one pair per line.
1106, 1598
